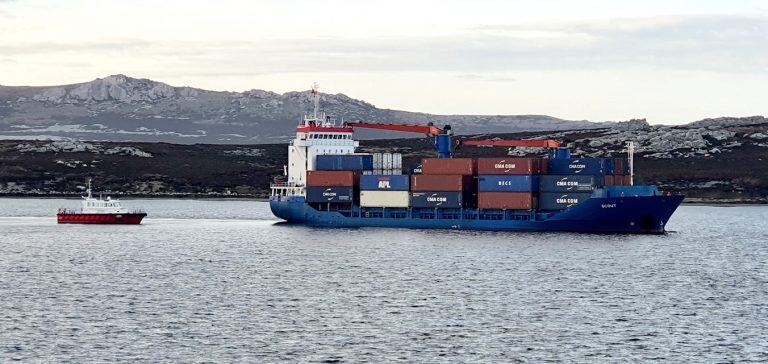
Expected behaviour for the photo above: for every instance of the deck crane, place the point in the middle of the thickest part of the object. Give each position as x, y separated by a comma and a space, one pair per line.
441, 137
444, 145
552, 146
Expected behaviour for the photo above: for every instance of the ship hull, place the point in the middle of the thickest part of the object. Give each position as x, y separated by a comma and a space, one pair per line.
118, 219
633, 215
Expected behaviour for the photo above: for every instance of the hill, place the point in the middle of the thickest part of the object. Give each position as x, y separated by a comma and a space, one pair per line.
122, 108
719, 162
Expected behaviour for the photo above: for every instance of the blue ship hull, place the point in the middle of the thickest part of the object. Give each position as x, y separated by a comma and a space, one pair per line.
603, 213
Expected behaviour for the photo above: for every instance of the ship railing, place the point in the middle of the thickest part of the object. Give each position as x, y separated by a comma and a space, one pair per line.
283, 184
281, 189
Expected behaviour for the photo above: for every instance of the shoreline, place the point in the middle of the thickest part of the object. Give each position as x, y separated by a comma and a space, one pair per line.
192, 196
138, 196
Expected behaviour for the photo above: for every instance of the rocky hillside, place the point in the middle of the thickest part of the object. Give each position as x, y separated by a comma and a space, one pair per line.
121, 108
716, 162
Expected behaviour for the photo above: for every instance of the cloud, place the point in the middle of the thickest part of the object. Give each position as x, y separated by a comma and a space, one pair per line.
709, 43
486, 77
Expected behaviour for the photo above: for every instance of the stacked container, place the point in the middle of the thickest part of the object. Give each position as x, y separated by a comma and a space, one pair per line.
344, 162
335, 187
620, 175
444, 183
387, 163
572, 180
508, 183
384, 190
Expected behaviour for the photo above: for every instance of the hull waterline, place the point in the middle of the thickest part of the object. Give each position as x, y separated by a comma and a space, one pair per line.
636, 215
116, 219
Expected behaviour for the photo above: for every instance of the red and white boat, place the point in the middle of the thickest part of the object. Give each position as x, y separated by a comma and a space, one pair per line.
99, 211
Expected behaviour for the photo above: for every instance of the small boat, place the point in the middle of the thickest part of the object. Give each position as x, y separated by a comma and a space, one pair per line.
100, 211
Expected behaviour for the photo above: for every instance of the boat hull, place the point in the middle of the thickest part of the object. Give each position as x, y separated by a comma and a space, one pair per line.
82, 218
635, 215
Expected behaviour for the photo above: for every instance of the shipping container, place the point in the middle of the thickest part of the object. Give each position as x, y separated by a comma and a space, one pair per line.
509, 165
620, 166
569, 183
384, 198
591, 166
507, 183
507, 200
332, 178
388, 161
617, 180
390, 182
344, 162
397, 161
625, 180
465, 166
560, 200
447, 183
330, 194
544, 165
437, 199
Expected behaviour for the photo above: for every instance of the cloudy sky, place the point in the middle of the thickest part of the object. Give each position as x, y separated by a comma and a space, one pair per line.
668, 61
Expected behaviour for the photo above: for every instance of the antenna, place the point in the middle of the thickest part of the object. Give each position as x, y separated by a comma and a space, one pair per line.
89, 188
631, 155
316, 98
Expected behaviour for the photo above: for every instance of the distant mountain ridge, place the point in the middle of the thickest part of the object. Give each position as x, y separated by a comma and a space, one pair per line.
122, 108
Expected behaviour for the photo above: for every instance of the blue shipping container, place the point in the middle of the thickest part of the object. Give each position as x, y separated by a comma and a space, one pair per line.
388, 182
592, 166
344, 162
560, 200
330, 194
568, 183
445, 200
508, 183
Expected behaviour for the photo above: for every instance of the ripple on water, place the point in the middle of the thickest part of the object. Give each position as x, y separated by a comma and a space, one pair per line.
229, 288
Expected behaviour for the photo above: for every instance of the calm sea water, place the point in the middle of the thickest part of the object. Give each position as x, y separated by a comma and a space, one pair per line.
221, 281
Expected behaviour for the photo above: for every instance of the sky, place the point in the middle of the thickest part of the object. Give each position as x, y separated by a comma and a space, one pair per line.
671, 61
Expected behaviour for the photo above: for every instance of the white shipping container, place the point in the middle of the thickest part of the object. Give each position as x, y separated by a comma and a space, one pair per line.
386, 161
397, 161
384, 199
377, 161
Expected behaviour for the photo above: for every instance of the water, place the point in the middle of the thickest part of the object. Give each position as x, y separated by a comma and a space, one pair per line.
220, 281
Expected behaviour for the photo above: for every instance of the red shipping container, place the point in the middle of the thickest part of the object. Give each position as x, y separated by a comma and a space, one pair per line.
332, 179
465, 166
507, 200
440, 183
509, 166
618, 180
619, 166
609, 180
544, 165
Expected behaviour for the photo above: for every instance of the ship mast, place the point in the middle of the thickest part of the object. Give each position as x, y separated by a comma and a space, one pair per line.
89, 189
316, 99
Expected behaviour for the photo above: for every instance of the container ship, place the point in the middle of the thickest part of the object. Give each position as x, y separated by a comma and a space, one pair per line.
328, 184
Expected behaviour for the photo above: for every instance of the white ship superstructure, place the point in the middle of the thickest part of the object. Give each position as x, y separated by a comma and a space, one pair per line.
316, 134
